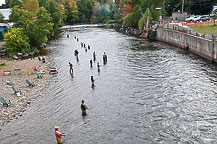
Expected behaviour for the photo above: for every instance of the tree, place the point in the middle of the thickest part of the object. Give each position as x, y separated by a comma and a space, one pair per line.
13, 3
39, 28
16, 41
214, 16
199, 7
85, 10
30, 5
143, 22
132, 19
71, 12
20, 17
56, 11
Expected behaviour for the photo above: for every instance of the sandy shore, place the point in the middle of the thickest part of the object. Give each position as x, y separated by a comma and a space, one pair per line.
18, 80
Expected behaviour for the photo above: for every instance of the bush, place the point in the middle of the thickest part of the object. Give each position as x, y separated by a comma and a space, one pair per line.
35, 50
111, 21
16, 41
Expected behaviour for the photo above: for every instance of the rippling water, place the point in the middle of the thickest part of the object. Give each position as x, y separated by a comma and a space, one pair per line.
149, 92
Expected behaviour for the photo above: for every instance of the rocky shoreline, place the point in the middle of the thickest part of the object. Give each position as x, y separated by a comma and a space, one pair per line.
18, 80
129, 31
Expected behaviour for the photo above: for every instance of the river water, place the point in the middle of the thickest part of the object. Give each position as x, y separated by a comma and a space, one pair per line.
147, 93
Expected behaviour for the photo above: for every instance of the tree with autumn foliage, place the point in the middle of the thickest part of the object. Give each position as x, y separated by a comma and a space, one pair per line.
56, 12
30, 6
71, 11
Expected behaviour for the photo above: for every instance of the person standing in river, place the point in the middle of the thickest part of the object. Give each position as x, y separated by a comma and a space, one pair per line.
76, 52
71, 68
92, 80
83, 108
98, 66
91, 63
59, 135
94, 56
104, 58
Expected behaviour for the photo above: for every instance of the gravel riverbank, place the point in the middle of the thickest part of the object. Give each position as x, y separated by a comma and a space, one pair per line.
18, 80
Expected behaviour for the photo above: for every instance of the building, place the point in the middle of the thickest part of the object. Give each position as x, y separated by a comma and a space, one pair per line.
214, 9
179, 16
6, 13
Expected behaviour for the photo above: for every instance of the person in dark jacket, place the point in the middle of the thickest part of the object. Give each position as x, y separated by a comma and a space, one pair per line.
83, 108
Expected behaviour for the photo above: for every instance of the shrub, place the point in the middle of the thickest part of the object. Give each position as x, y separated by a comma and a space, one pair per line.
16, 41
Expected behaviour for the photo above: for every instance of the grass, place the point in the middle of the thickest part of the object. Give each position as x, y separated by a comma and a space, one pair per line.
205, 29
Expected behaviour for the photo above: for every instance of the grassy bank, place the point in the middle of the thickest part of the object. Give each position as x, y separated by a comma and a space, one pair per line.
205, 29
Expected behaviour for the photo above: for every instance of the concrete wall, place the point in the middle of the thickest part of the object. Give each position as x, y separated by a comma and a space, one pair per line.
215, 51
201, 46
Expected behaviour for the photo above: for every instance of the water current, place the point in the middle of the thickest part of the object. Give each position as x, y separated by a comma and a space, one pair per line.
147, 93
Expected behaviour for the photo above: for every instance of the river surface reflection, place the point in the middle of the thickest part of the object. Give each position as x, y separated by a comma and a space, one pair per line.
147, 93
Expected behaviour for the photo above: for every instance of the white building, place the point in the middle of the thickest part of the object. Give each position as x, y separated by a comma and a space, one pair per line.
213, 9
2, 2
6, 13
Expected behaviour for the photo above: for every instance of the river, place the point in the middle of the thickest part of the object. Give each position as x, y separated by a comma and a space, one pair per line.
147, 93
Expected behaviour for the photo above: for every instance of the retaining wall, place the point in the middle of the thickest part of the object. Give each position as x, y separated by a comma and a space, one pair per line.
204, 47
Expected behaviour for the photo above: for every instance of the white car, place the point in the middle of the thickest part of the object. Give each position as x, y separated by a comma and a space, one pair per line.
189, 18
196, 18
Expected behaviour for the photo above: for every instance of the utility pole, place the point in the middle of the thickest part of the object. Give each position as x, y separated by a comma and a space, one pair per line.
163, 10
183, 2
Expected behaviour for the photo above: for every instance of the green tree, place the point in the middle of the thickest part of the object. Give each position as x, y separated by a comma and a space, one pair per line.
39, 28
214, 16
55, 12
36, 28
20, 17
85, 10
13, 3
16, 41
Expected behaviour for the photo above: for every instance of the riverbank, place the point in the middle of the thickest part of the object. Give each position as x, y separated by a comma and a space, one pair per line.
18, 79
129, 31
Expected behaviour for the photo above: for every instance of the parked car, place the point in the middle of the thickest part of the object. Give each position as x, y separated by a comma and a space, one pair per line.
189, 18
196, 18
205, 18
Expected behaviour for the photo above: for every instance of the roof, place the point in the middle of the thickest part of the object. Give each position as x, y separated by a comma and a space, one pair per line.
6, 13
3, 24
